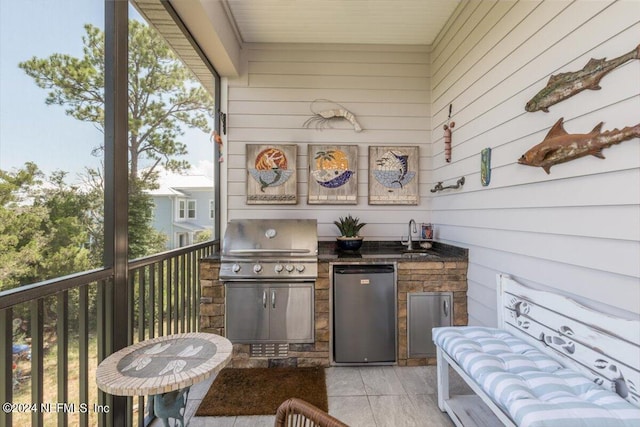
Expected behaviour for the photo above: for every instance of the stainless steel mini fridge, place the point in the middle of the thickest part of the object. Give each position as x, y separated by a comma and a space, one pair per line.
364, 314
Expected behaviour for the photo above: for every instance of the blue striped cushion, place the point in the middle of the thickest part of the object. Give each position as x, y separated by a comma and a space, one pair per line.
534, 389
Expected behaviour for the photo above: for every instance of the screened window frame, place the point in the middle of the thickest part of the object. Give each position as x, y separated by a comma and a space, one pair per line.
160, 23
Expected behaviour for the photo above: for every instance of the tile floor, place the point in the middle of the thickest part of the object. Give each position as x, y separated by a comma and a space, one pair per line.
386, 396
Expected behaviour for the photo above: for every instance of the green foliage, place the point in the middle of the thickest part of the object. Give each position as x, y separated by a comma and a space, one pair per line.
143, 238
349, 226
203, 236
21, 234
66, 251
42, 228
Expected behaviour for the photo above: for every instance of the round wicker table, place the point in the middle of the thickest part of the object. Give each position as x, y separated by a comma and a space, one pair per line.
164, 368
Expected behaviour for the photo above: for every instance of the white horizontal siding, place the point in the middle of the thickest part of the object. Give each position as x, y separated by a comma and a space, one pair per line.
379, 95
577, 230
386, 87
340, 69
281, 121
580, 221
302, 109
612, 188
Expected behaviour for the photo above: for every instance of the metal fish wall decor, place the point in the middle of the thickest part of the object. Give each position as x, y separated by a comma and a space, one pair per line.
564, 85
559, 146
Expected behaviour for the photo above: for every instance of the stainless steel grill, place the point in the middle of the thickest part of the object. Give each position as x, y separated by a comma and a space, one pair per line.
270, 249
269, 268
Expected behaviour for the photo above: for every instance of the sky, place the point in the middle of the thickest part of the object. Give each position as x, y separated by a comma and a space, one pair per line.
29, 129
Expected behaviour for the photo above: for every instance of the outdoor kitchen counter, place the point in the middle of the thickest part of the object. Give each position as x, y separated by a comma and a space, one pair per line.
389, 251
443, 269
382, 251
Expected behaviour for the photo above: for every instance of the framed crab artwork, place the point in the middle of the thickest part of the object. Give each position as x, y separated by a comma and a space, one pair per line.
271, 174
393, 175
333, 174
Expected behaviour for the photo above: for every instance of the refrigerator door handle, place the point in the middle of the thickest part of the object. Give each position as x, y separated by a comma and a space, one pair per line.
445, 308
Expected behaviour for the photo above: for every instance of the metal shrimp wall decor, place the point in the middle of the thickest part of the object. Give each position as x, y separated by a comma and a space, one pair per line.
323, 119
447, 136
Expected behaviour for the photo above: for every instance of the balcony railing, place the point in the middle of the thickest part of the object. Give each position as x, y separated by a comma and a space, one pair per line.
54, 333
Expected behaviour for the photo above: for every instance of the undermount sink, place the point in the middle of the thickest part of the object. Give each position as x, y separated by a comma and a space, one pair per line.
396, 250
416, 253
416, 247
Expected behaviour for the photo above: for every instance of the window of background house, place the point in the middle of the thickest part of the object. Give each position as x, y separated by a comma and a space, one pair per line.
182, 208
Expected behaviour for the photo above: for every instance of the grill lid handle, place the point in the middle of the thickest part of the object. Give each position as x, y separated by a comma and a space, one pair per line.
263, 251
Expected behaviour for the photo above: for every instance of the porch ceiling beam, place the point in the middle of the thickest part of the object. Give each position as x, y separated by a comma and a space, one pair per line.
209, 34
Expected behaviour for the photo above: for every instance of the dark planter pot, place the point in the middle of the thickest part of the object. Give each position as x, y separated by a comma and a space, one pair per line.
349, 243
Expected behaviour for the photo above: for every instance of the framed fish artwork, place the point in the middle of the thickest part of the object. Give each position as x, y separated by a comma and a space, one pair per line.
271, 174
333, 174
393, 175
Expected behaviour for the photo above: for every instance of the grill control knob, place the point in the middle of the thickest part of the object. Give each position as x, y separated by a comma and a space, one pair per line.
278, 268
299, 268
289, 268
257, 268
235, 268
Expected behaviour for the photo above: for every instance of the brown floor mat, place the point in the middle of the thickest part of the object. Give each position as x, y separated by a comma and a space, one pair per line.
259, 391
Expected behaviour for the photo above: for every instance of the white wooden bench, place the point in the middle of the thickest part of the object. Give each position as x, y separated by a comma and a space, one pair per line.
550, 362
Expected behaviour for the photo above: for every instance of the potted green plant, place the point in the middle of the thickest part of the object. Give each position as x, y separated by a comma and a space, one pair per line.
349, 229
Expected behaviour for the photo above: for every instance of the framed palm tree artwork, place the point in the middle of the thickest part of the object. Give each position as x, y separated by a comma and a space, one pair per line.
271, 174
333, 174
393, 175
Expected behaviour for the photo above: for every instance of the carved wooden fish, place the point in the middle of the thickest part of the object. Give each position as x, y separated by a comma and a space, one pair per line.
564, 85
559, 146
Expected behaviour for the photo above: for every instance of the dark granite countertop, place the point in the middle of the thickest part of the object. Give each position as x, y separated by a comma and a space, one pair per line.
389, 251
383, 251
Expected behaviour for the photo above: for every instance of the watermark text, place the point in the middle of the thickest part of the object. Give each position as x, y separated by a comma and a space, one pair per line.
69, 408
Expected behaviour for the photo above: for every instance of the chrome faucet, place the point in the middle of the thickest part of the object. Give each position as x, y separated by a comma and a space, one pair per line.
409, 241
